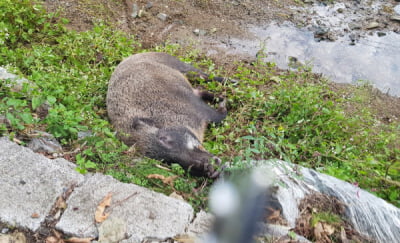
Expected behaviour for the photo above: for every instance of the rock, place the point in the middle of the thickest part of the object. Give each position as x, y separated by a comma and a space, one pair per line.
340, 10
372, 25
30, 184
235, 3
380, 34
43, 110
162, 16
331, 36
141, 13
149, 5
395, 18
112, 230
354, 26
199, 32
16, 237
17, 83
5, 230
146, 213
45, 143
135, 10
321, 33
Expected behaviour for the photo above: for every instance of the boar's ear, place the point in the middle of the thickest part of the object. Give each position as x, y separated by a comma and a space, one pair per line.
139, 123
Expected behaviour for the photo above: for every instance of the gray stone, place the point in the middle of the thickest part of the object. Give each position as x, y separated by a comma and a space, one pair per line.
149, 5
395, 18
199, 32
17, 82
380, 33
135, 10
162, 16
373, 25
112, 230
235, 3
201, 225
355, 26
30, 184
45, 143
146, 213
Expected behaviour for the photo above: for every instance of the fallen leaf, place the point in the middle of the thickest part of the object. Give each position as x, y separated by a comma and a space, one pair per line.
166, 180
328, 229
35, 215
57, 234
100, 214
343, 236
52, 239
318, 231
156, 176
79, 240
184, 239
276, 79
60, 203
274, 214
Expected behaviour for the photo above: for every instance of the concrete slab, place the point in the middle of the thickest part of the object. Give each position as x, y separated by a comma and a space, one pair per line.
146, 213
30, 184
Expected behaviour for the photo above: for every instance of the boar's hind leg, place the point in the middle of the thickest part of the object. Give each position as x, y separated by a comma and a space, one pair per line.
217, 115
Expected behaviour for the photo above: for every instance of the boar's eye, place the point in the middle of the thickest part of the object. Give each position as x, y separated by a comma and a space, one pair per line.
166, 141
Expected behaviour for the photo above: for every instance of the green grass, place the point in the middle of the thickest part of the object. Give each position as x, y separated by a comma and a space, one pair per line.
272, 114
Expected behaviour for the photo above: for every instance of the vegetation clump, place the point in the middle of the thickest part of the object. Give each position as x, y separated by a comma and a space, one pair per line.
295, 116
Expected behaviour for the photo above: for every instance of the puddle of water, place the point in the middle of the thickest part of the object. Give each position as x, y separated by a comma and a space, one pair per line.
374, 59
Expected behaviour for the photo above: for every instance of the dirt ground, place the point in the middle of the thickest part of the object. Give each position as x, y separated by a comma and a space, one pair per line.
202, 24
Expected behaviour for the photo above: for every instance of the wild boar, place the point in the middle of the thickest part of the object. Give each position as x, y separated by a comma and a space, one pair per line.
153, 106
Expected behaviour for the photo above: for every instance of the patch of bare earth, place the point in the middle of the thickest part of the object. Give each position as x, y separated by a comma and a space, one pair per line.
322, 230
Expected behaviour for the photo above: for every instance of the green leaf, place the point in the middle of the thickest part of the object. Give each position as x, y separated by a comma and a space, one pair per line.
36, 102
26, 118
90, 165
51, 99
